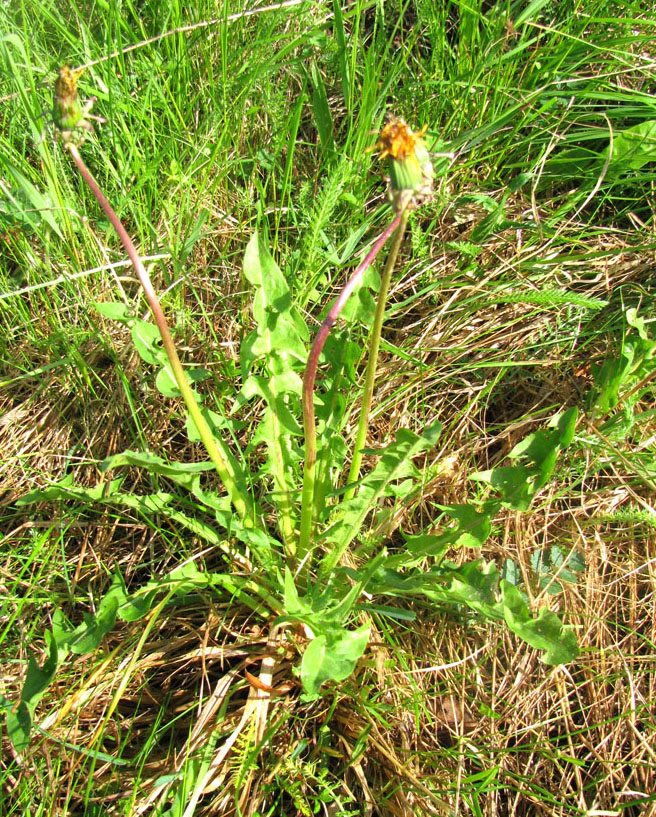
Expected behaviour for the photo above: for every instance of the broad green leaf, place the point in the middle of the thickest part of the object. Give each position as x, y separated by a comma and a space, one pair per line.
294, 605
87, 636
115, 311
34, 207
361, 306
66, 490
280, 341
148, 342
271, 298
515, 483
472, 530
331, 657
90, 633
475, 584
19, 724
632, 148
392, 465
339, 612
518, 484
215, 421
165, 382
183, 473
321, 108
511, 572
262, 546
38, 678
546, 632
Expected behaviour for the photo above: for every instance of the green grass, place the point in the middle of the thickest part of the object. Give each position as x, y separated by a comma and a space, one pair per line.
510, 291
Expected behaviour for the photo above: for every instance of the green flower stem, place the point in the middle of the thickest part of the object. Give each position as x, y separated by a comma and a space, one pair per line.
241, 501
308, 507
374, 345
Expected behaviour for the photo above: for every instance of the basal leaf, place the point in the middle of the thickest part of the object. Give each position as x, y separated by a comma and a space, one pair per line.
183, 473
392, 465
38, 678
271, 289
87, 636
514, 483
546, 632
66, 490
473, 528
19, 724
519, 483
331, 657
632, 148
148, 342
115, 311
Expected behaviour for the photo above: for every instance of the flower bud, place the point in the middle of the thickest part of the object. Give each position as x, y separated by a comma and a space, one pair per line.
66, 110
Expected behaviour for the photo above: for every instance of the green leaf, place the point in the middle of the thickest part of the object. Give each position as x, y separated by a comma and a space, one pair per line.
518, 484
294, 605
19, 724
546, 632
472, 530
280, 340
475, 584
87, 636
511, 572
31, 206
167, 385
361, 306
65, 490
321, 108
215, 421
183, 473
115, 311
350, 515
331, 657
38, 679
515, 484
632, 148
272, 297
148, 342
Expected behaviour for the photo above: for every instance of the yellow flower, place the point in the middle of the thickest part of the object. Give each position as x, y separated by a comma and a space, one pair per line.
410, 167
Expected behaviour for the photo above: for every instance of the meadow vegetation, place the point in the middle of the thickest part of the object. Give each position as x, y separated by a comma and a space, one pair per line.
462, 624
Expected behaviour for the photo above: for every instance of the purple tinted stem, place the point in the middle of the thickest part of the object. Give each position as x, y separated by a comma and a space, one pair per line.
345, 294
309, 380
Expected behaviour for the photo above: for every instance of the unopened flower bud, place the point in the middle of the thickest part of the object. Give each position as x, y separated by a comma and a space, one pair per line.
66, 110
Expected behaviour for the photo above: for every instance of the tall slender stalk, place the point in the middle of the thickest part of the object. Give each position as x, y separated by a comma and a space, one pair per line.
372, 363
241, 501
308, 507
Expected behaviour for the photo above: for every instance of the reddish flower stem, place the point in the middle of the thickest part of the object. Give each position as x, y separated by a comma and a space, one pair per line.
309, 377
240, 500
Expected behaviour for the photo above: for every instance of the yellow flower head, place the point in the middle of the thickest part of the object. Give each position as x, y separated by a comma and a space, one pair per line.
410, 168
66, 83
398, 140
